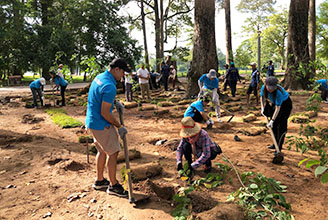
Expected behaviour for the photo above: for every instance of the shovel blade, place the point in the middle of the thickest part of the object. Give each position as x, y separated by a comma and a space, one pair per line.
278, 158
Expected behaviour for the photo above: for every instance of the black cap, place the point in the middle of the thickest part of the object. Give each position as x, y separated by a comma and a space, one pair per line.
120, 63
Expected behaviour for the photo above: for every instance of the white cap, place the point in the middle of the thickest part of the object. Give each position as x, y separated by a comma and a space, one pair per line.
211, 74
42, 81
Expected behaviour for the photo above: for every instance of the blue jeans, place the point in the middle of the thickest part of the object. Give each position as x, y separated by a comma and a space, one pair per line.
36, 92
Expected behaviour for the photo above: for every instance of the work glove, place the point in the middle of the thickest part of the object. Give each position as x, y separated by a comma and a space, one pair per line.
179, 167
119, 107
270, 124
201, 93
122, 131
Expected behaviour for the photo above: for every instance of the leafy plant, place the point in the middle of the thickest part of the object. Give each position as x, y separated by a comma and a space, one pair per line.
262, 197
60, 118
124, 176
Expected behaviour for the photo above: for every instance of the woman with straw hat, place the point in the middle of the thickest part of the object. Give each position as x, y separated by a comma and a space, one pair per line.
196, 141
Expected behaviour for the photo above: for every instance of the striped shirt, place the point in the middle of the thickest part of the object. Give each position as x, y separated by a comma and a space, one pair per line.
203, 148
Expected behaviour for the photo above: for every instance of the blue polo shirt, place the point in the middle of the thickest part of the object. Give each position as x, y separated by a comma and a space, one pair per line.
270, 71
198, 105
280, 97
60, 81
103, 88
323, 83
209, 84
255, 78
35, 84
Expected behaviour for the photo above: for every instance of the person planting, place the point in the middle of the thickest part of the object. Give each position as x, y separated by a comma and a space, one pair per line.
209, 83
324, 89
196, 110
37, 89
197, 143
62, 83
276, 104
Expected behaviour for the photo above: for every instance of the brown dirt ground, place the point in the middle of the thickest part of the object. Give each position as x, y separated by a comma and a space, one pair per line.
45, 164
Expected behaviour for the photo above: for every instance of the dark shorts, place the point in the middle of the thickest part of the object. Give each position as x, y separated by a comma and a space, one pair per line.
251, 89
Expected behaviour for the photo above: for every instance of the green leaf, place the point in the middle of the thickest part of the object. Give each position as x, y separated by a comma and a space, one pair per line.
320, 170
311, 163
302, 161
253, 186
324, 178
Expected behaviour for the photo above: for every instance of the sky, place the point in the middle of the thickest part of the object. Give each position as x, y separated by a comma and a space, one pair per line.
237, 20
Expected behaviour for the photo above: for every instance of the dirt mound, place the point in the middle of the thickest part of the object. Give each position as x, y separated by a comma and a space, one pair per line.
162, 190
66, 164
31, 119
201, 201
172, 144
8, 139
223, 211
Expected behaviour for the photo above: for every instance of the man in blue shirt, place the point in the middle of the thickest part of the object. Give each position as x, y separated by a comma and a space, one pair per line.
62, 83
324, 89
255, 84
197, 113
37, 88
209, 83
101, 123
165, 75
232, 76
270, 70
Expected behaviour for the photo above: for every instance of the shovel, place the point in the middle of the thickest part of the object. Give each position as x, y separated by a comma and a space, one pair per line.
279, 156
226, 110
133, 198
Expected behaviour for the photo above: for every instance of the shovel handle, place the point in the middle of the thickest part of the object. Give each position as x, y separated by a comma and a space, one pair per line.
127, 162
273, 137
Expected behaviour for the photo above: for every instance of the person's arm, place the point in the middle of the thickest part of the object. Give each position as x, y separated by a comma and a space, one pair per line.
105, 112
200, 84
179, 152
262, 105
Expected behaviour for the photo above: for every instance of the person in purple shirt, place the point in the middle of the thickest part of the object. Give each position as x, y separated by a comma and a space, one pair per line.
196, 143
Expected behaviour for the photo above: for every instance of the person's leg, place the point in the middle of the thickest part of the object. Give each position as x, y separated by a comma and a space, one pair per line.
165, 78
35, 103
217, 107
126, 92
62, 93
147, 90
256, 95
225, 85
233, 88
187, 152
282, 121
142, 87
100, 162
129, 91
249, 91
111, 168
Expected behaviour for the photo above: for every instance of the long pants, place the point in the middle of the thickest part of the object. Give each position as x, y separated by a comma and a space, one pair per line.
323, 93
128, 92
216, 102
187, 152
144, 89
36, 92
164, 80
226, 83
233, 86
173, 82
62, 93
280, 123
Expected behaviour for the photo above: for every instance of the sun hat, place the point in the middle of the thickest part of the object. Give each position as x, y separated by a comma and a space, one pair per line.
171, 67
271, 82
189, 127
60, 65
211, 74
42, 81
252, 64
120, 63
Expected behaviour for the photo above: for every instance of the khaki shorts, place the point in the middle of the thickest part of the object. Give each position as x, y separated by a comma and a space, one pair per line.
106, 140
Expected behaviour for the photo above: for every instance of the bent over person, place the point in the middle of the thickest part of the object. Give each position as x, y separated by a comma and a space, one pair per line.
37, 89
196, 143
278, 106
209, 83
104, 126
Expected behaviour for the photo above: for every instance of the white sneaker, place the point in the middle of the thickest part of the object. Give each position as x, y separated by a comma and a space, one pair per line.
325, 101
219, 120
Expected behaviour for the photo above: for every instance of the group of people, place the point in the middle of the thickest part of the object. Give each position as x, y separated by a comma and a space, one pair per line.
196, 146
149, 80
37, 86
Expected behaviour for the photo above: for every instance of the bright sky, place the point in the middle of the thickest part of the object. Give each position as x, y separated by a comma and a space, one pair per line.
237, 20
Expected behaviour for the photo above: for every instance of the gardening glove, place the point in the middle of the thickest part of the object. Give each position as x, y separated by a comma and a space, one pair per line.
201, 93
119, 107
122, 131
270, 124
179, 167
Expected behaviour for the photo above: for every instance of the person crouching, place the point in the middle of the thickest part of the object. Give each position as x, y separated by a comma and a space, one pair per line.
197, 143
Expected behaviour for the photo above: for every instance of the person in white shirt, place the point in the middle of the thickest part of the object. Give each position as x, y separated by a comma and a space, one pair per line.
60, 71
128, 86
144, 76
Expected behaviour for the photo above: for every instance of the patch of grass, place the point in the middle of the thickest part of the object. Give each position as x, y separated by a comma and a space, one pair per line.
60, 118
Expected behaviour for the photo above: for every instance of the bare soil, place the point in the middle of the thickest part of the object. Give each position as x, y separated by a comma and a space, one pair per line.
44, 172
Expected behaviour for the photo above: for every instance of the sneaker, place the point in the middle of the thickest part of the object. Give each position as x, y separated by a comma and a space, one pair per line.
219, 120
100, 184
117, 190
325, 101
271, 147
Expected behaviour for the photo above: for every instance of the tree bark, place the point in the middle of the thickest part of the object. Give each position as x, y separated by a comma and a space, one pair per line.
312, 30
298, 72
157, 37
161, 45
145, 35
204, 48
229, 54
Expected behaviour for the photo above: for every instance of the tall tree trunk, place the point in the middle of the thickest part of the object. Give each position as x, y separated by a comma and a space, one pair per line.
298, 72
229, 54
312, 30
17, 35
161, 28
144, 33
204, 49
45, 33
157, 37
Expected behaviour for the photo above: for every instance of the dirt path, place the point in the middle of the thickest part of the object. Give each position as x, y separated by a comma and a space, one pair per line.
42, 165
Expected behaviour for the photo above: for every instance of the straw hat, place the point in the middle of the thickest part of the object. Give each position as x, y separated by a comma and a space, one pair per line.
189, 127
